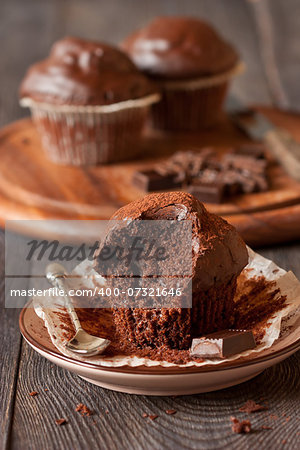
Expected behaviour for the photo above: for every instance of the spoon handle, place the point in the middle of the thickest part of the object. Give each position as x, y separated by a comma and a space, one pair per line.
69, 304
56, 275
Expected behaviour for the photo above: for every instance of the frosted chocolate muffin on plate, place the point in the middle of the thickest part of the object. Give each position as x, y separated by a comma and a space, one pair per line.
190, 63
218, 256
89, 102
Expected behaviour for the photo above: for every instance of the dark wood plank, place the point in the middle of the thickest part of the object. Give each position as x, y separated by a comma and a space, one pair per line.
201, 421
10, 341
286, 256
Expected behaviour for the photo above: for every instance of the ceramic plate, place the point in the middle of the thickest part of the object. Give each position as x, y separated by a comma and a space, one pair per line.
158, 380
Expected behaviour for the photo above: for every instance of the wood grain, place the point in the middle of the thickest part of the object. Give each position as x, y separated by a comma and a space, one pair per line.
201, 421
38, 189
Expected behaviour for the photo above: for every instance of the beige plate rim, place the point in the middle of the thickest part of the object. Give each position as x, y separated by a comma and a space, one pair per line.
154, 370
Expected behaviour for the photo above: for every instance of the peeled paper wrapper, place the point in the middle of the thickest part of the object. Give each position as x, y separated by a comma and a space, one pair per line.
192, 104
282, 326
205, 82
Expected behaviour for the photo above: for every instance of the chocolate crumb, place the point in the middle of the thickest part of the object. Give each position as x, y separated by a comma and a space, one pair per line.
171, 411
106, 411
243, 426
153, 416
46, 389
33, 393
60, 421
275, 270
144, 415
250, 407
83, 409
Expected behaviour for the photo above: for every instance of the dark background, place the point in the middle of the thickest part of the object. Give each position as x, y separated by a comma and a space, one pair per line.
267, 35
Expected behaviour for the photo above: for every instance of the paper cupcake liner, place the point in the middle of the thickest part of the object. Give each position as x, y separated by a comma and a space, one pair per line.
194, 104
212, 311
281, 327
88, 135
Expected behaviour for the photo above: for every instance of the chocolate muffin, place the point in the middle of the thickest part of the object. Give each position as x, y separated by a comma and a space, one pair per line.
217, 253
192, 66
87, 99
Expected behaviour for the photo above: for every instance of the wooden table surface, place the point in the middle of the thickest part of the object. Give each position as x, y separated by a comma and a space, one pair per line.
266, 34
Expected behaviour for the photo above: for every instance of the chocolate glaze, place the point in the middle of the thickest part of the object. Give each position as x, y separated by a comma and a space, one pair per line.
219, 253
179, 47
83, 72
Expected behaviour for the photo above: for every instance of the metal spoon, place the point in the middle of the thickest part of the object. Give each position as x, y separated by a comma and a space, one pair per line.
83, 342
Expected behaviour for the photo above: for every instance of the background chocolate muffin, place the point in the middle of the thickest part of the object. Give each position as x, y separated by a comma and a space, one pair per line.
87, 99
218, 256
191, 64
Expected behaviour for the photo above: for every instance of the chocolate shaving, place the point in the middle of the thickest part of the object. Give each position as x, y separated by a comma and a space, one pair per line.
240, 427
83, 409
250, 407
171, 411
61, 421
33, 393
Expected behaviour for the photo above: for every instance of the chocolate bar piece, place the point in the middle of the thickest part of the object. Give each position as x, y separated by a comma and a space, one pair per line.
232, 183
208, 176
150, 180
244, 163
222, 344
207, 192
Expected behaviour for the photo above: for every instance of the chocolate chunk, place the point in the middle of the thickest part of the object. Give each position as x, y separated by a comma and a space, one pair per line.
150, 180
170, 412
232, 183
244, 163
260, 182
222, 344
207, 192
207, 175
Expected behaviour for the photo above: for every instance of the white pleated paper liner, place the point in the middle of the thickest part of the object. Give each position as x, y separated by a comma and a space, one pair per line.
91, 134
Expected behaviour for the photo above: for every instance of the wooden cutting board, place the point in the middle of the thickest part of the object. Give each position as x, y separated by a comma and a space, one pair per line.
31, 187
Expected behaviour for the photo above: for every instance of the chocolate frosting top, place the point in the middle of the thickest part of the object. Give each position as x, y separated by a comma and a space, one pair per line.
82, 72
219, 253
178, 48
